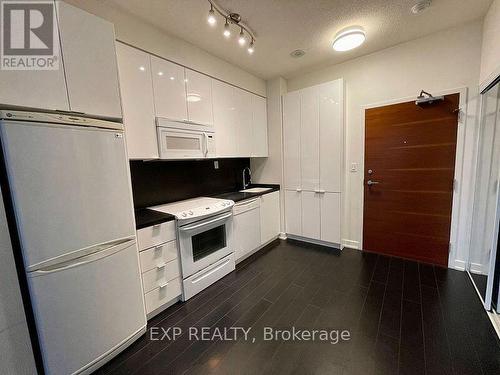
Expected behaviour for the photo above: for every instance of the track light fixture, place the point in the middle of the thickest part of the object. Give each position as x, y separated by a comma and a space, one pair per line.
232, 19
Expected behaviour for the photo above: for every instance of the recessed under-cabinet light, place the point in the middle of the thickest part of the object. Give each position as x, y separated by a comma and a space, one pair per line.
141, 68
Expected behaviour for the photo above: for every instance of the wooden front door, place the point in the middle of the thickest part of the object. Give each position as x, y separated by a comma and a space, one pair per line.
409, 172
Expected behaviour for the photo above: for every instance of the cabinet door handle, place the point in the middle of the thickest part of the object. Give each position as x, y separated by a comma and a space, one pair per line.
298, 190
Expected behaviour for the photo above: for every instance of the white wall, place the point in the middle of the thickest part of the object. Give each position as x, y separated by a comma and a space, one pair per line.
439, 62
16, 356
133, 31
490, 54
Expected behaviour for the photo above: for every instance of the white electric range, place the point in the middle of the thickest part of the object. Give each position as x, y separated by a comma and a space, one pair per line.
204, 232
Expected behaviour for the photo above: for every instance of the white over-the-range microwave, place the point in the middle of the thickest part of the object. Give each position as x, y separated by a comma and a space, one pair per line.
184, 140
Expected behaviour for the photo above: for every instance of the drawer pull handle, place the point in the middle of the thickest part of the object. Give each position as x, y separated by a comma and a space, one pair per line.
159, 267
163, 285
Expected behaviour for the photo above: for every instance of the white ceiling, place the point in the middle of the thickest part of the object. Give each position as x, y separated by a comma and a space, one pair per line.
282, 26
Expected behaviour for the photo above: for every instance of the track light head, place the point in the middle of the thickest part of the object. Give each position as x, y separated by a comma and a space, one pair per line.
211, 16
241, 39
227, 29
251, 48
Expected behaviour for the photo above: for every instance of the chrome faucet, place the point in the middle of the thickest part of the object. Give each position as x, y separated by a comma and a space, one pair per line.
245, 183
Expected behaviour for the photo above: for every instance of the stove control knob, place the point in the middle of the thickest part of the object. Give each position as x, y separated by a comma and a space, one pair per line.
184, 214
191, 213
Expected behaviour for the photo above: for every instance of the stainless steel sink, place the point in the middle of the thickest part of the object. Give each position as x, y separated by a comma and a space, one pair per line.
255, 190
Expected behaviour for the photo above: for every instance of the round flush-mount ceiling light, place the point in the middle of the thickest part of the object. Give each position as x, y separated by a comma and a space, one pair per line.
348, 39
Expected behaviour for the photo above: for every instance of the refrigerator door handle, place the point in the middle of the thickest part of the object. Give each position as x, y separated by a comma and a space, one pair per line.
108, 251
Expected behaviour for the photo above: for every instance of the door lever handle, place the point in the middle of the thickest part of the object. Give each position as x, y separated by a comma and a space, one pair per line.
370, 182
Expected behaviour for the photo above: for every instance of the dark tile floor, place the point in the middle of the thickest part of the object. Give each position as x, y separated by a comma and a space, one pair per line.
481, 283
404, 318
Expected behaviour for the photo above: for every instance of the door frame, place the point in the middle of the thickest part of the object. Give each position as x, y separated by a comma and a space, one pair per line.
460, 226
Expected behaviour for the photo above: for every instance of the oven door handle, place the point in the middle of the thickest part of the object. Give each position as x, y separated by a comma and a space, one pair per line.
189, 228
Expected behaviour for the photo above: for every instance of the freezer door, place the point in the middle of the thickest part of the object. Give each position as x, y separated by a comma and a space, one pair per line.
70, 186
86, 308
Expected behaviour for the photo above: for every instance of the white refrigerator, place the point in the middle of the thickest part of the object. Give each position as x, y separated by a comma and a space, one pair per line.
70, 191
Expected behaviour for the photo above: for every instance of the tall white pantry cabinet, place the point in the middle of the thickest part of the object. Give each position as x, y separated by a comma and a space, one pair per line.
313, 147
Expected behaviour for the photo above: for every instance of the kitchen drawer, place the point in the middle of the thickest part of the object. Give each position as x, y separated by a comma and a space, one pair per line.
160, 296
155, 235
161, 254
160, 275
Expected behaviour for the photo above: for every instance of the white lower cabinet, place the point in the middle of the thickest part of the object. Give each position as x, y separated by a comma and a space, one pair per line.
160, 268
269, 216
256, 222
313, 215
293, 212
311, 225
330, 217
162, 296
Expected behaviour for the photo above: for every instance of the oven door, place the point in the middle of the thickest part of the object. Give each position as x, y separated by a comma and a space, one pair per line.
182, 144
205, 242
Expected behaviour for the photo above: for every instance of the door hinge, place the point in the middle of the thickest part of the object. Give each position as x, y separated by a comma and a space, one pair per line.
449, 248
454, 185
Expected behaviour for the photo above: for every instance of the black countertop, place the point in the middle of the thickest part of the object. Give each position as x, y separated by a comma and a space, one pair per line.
238, 196
145, 217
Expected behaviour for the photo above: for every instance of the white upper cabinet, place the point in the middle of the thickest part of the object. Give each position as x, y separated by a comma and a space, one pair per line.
43, 89
244, 122
138, 108
331, 135
88, 49
260, 144
309, 135
224, 119
199, 98
169, 89
291, 143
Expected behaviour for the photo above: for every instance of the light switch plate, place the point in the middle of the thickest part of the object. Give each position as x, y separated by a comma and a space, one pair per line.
354, 167
216, 164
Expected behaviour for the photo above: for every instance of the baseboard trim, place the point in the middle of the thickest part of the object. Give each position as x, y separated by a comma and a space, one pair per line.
458, 265
314, 242
351, 244
478, 268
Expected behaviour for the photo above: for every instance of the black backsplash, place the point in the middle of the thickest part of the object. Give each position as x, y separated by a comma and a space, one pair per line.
159, 182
